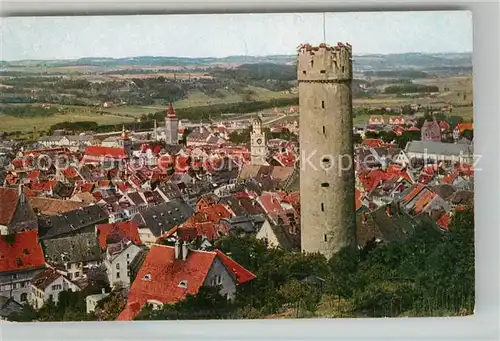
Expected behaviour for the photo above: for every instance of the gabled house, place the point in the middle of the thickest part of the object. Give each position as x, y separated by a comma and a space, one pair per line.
431, 131
76, 254
168, 274
285, 236
16, 213
47, 285
9, 307
120, 251
77, 221
154, 221
21, 258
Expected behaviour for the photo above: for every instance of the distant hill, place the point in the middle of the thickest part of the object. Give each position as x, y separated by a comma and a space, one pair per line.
417, 61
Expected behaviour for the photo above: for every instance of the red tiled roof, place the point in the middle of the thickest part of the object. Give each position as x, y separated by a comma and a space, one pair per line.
24, 253
129, 229
70, 173
33, 175
398, 130
464, 126
444, 125
11, 179
450, 178
414, 129
164, 274
373, 142
242, 275
270, 202
101, 151
423, 201
444, 221
286, 159
215, 213
413, 193
44, 185
465, 169
8, 200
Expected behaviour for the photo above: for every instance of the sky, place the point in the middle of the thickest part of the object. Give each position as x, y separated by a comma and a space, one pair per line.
221, 35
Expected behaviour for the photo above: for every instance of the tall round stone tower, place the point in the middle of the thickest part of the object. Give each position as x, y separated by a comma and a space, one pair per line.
327, 204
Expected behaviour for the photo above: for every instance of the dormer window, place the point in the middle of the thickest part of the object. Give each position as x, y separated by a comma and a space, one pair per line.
147, 277
183, 284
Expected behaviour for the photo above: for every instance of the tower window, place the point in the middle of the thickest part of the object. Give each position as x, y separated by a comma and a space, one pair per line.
325, 184
323, 71
343, 68
324, 130
325, 238
304, 72
322, 207
322, 104
312, 63
326, 162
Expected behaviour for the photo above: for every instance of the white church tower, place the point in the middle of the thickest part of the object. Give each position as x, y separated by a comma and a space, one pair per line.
258, 147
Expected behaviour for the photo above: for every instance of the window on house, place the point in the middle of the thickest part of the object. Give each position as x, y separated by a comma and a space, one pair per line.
324, 130
23, 284
323, 71
117, 275
325, 237
24, 297
128, 273
312, 63
322, 104
128, 256
77, 274
117, 266
51, 297
304, 72
325, 184
322, 207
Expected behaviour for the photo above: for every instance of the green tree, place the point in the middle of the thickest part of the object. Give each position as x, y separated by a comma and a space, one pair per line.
468, 134
301, 295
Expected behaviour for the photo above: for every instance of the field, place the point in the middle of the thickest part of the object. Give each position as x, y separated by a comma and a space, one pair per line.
25, 125
453, 90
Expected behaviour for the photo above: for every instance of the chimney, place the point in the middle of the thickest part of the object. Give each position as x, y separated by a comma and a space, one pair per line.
363, 217
388, 210
184, 250
178, 250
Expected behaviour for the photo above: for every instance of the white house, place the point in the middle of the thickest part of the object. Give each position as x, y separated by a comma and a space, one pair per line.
92, 300
119, 254
47, 285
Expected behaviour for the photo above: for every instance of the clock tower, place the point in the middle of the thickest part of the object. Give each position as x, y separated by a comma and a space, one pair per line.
258, 147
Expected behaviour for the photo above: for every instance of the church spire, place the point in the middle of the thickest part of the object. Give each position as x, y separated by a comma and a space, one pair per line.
170, 112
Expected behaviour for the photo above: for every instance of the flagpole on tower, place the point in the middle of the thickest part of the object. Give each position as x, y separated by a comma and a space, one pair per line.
324, 28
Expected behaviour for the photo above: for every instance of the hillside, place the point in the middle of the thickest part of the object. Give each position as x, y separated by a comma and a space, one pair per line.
361, 62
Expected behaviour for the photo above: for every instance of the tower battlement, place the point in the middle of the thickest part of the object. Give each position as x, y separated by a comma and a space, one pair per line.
324, 63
